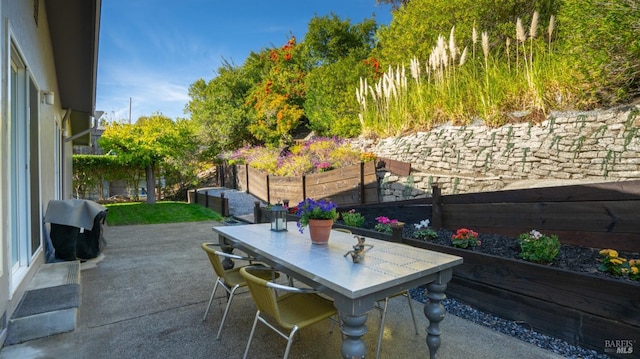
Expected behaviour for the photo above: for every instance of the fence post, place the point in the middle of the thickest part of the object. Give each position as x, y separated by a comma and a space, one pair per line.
397, 232
221, 175
195, 195
362, 199
235, 177
268, 191
224, 210
257, 214
304, 187
206, 199
436, 207
246, 171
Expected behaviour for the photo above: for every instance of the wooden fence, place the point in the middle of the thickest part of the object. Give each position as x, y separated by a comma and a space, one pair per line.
353, 185
598, 215
218, 204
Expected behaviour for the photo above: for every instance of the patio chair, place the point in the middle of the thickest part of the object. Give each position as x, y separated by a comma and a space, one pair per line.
296, 309
230, 279
383, 312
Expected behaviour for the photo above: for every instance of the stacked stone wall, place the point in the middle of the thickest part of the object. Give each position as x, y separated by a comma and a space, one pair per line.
594, 146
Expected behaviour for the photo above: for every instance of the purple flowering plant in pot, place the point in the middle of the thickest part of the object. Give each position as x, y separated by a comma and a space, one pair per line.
310, 209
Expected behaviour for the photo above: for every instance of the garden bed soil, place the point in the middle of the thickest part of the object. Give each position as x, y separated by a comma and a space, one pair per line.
572, 258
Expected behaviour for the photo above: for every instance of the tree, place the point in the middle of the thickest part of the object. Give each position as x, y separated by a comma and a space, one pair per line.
149, 142
330, 39
339, 50
395, 4
218, 108
277, 100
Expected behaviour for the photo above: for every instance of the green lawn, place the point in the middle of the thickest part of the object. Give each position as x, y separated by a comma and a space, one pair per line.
121, 214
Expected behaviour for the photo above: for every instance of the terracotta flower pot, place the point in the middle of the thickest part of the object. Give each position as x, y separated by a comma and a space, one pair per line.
319, 230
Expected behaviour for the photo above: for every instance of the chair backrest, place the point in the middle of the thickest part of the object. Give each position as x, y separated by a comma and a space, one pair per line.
215, 260
264, 296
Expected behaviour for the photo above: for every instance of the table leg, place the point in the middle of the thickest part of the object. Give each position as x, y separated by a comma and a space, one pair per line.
435, 312
353, 328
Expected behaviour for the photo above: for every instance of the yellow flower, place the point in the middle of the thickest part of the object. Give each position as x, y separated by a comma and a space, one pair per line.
605, 252
634, 270
624, 270
613, 253
617, 261
634, 262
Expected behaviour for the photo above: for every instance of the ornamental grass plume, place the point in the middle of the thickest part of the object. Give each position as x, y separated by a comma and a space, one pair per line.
485, 45
463, 57
521, 38
415, 69
552, 23
453, 50
533, 29
520, 35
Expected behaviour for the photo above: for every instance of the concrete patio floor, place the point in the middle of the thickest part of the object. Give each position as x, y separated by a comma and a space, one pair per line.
144, 297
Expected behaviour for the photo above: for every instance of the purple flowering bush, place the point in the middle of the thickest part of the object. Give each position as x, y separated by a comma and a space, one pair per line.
312, 209
316, 155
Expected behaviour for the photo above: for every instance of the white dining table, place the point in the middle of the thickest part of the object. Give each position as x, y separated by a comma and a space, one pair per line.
386, 268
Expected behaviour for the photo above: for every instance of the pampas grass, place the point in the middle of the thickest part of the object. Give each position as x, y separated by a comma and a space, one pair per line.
455, 86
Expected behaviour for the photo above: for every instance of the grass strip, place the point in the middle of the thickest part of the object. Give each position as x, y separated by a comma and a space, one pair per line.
122, 214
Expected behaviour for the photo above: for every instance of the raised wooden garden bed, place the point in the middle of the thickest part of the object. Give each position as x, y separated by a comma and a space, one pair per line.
579, 308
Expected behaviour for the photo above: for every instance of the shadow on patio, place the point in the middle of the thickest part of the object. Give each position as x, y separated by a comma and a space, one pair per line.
144, 297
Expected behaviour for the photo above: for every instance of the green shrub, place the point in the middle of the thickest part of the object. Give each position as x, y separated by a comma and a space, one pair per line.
539, 248
352, 218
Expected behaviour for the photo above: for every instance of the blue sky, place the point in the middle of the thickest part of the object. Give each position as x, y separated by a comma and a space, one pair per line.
152, 50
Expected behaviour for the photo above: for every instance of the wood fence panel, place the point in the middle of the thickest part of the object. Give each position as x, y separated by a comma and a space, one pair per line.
258, 184
370, 183
220, 205
601, 216
607, 191
285, 188
241, 177
549, 284
341, 185
201, 198
396, 167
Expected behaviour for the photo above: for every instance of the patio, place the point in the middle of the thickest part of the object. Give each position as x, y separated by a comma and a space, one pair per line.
145, 297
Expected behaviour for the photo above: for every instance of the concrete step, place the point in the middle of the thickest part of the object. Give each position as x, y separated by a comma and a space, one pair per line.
50, 304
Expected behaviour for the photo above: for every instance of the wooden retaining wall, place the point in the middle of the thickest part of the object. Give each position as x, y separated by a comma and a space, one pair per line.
214, 203
598, 215
353, 185
579, 308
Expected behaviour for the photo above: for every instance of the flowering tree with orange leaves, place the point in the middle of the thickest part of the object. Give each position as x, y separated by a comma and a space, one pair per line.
277, 100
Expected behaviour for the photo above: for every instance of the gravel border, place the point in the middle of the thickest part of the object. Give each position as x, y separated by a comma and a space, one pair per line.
511, 328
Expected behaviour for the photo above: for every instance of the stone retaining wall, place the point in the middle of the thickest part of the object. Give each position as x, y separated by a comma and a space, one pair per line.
595, 146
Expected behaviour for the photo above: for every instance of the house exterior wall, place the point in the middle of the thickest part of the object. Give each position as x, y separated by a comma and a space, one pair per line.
33, 43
